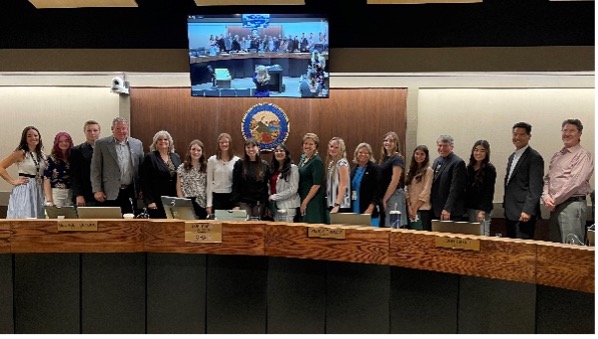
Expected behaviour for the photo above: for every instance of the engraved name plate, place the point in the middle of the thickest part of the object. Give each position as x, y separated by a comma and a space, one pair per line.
326, 233
203, 232
75, 225
456, 243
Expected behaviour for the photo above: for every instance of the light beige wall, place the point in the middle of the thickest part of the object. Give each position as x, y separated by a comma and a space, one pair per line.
51, 110
470, 114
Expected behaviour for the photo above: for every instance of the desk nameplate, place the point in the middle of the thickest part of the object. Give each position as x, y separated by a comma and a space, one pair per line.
77, 226
457, 244
325, 233
203, 232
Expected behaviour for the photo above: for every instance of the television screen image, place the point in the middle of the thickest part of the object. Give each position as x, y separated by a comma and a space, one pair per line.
259, 55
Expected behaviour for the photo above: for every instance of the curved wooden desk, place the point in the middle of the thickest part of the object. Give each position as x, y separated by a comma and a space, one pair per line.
536, 262
141, 276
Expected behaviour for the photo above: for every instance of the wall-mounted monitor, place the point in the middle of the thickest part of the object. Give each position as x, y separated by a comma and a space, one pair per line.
259, 55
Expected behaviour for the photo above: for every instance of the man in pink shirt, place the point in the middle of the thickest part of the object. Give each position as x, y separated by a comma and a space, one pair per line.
566, 185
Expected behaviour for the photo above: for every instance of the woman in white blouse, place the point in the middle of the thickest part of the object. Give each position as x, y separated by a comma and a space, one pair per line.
338, 176
284, 183
220, 176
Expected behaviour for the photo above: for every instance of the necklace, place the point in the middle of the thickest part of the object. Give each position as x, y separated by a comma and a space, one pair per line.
36, 162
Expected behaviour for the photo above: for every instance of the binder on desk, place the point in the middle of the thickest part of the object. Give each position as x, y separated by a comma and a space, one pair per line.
464, 227
88, 212
231, 215
67, 212
178, 208
351, 219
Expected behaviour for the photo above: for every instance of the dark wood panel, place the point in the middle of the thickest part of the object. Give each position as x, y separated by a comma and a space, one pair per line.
47, 286
496, 306
356, 115
296, 296
423, 302
113, 293
176, 293
6, 294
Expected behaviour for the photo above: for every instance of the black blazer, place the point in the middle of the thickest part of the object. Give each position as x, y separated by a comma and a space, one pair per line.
523, 191
155, 177
369, 188
448, 187
80, 171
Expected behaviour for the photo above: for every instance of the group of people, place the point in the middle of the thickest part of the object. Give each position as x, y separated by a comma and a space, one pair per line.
254, 42
114, 171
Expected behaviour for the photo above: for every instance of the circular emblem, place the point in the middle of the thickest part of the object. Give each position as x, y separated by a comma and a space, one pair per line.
267, 123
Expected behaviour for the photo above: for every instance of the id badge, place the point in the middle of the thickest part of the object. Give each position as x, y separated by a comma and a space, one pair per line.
353, 195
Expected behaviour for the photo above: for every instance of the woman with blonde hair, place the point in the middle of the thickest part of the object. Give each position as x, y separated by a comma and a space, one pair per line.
392, 181
338, 188
261, 78
220, 175
365, 184
311, 179
158, 173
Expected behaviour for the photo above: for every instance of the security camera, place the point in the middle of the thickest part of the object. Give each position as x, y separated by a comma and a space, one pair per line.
119, 86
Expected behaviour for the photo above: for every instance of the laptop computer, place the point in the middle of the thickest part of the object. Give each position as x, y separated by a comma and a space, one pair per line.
231, 215
96, 212
178, 208
350, 219
68, 212
457, 227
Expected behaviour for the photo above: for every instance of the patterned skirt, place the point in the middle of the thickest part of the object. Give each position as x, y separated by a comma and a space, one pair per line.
26, 201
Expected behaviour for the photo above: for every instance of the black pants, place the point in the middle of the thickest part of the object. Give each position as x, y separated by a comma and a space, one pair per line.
520, 229
200, 212
221, 201
126, 200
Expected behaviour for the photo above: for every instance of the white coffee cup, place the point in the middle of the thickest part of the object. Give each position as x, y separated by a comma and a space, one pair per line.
129, 216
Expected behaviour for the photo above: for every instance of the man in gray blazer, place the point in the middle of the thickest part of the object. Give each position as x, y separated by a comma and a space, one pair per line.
115, 167
523, 185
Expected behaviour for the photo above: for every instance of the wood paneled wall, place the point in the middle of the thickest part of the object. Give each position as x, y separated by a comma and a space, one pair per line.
356, 115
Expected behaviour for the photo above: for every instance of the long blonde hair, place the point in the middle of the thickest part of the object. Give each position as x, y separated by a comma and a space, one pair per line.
332, 161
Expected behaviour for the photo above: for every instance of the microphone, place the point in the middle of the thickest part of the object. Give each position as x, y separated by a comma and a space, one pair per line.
132, 206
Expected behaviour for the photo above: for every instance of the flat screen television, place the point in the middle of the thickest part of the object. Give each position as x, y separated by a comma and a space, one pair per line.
259, 55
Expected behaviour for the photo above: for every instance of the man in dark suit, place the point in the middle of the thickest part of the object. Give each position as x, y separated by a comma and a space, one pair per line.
115, 167
81, 163
448, 187
523, 185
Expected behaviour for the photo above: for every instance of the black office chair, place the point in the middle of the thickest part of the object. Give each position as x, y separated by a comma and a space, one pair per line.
212, 76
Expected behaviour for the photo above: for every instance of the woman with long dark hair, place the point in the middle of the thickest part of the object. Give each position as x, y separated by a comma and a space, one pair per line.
191, 180
419, 186
26, 198
57, 176
284, 183
479, 191
250, 181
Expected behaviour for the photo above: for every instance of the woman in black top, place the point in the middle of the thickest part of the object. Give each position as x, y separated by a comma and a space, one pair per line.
479, 191
158, 173
250, 181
